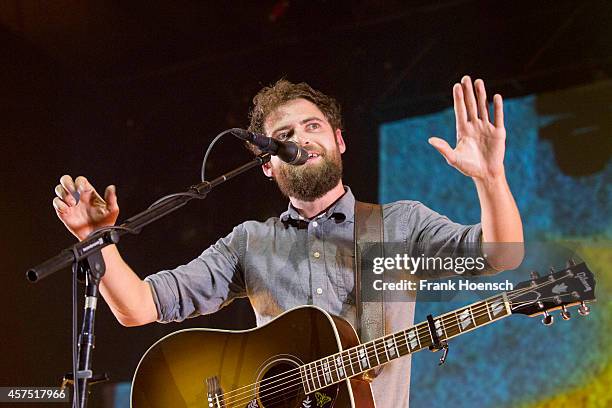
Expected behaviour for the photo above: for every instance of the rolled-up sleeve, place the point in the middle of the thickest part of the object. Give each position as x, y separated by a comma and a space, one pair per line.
434, 235
437, 231
204, 285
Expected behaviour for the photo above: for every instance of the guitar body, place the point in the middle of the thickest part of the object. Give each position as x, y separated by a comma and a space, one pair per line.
216, 368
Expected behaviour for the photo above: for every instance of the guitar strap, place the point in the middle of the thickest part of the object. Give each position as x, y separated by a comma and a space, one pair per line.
369, 233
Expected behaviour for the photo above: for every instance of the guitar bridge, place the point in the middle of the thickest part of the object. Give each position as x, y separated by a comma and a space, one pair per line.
214, 393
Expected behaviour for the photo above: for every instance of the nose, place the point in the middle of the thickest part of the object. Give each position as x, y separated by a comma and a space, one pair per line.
301, 137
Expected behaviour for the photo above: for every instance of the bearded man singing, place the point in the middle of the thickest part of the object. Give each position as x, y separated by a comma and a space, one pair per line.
306, 255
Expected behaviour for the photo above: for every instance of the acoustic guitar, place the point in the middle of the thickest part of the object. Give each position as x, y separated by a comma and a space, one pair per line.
306, 358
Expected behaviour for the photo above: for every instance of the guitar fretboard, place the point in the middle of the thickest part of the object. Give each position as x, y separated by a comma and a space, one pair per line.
359, 359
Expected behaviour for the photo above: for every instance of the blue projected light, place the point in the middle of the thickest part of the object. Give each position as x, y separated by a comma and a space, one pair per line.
412, 169
516, 361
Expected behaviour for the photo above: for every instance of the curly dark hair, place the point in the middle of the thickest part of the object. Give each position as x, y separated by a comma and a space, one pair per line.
269, 98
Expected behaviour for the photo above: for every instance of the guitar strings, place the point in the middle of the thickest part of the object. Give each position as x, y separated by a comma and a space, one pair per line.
420, 331
403, 343
296, 382
368, 347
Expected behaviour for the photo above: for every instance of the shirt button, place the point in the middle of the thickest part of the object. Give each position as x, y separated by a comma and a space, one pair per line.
315, 224
316, 255
319, 291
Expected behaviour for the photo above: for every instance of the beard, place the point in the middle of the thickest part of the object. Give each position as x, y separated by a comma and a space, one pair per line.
310, 181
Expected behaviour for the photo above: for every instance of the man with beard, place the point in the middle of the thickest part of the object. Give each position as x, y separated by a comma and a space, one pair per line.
305, 256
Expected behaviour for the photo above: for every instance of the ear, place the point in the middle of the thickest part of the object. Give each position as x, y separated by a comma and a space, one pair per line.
267, 169
340, 141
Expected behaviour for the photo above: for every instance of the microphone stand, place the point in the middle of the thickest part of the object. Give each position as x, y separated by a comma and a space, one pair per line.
86, 260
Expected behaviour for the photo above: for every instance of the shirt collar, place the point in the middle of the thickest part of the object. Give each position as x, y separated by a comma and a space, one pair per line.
341, 210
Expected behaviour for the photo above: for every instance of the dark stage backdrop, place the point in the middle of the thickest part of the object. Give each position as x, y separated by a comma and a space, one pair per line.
130, 93
149, 139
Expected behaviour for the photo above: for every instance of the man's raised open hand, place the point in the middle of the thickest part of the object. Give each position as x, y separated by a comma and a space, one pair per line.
480, 148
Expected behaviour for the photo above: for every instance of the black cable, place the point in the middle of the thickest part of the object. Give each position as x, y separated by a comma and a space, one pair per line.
202, 172
210, 146
165, 198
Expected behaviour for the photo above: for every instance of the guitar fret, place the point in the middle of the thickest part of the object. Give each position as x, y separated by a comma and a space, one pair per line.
317, 376
386, 348
306, 372
403, 344
452, 325
372, 358
481, 313
326, 372
362, 356
483, 316
321, 374
356, 362
464, 319
304, 380
396, 348
340, 367
413, 339
350, 360
391, 347
427, 341
472, 314
314, 384
425, 333
384, 344
488, 311
376, 353
497, 307
332, 369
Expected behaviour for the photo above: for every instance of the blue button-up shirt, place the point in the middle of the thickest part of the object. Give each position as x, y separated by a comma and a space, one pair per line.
291, 261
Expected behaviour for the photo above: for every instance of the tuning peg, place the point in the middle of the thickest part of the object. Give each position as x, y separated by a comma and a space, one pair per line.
548, 319
534, 275
565, 314
571, 262
584, 310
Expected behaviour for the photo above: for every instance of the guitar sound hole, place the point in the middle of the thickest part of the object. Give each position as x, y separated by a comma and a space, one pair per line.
281, 386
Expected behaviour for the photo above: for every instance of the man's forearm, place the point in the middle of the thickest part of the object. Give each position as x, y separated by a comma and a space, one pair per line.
129, 297
501, 223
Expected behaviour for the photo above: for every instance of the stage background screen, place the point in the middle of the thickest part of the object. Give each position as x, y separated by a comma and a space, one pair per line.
557, 164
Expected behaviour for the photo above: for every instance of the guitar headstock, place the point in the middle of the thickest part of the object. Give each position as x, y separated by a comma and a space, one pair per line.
570, 286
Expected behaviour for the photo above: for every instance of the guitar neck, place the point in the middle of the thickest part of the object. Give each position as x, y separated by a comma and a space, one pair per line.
357, 360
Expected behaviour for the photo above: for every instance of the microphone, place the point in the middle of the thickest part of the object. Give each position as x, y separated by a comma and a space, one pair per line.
289, 152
